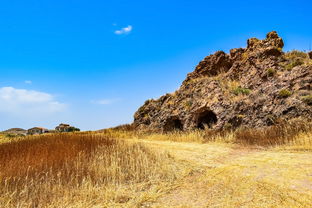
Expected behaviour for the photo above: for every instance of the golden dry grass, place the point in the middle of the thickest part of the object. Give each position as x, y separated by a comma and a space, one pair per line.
292, 134
124, 168
79, 170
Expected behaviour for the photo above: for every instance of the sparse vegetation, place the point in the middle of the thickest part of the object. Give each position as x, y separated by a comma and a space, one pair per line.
307, 99
241, 91
296, 54
295, 58
271, 72
294, 63
245, 56
284, 93
188, 104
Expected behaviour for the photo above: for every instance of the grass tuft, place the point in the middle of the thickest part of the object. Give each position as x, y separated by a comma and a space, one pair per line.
284, 93
307, 99
241, 91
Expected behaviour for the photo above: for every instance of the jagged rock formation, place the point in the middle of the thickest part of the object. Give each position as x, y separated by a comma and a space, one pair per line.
253, 87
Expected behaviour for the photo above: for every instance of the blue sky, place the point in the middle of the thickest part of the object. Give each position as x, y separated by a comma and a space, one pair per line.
93, 63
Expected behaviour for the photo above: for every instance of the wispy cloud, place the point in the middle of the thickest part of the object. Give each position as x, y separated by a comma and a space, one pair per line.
28, 102
125, 30
28, 82
104, 101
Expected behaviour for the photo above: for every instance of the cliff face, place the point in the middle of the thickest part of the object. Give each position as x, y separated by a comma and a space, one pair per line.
253, 87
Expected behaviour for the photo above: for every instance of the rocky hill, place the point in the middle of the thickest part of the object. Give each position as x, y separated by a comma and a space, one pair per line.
254, 87
17, 131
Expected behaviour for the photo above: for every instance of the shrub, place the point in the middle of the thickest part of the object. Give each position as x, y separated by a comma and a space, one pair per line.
271, 72
284, 93
307, 99
241, 91
73, 129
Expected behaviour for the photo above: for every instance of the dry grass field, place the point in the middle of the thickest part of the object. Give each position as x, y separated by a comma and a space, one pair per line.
123, 168
79, 170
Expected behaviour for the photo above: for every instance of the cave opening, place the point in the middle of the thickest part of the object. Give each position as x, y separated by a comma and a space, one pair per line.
206, 119
173, 124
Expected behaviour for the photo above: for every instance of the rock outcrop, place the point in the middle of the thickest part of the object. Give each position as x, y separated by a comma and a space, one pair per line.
253, 87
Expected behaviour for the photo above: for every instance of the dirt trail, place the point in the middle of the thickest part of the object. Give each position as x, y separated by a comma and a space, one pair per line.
202, 155
218, 171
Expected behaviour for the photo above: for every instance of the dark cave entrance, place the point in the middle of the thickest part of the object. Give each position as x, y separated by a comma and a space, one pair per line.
173, 124
206, 119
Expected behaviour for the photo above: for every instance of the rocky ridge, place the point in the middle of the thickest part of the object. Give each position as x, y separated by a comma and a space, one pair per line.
254, 87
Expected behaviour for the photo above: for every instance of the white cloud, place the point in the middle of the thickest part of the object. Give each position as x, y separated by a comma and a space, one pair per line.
125, 30
28, 82
28, 102
105, 101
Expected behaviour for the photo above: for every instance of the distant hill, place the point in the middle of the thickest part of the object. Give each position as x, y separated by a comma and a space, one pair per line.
15, 131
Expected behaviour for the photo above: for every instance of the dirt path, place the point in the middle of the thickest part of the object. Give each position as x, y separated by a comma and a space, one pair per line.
227, 175
202, 155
